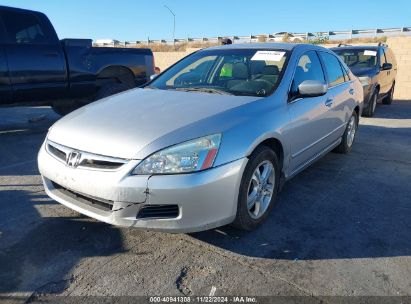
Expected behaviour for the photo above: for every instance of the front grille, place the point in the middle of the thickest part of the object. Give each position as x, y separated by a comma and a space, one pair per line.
100, 164
158, 211
56, 152
98, 203
87, 160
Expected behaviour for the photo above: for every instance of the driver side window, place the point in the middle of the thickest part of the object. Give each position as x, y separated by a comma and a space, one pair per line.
308, 68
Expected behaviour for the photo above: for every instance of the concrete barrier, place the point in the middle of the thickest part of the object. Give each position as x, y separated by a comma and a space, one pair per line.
164, 59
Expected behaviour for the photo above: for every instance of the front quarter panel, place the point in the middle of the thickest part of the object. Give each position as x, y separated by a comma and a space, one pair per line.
265, 121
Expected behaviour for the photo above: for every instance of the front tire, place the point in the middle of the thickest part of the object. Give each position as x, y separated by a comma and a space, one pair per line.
369, 111
111, 89
390, 97
349, 135
105, 91
258, 189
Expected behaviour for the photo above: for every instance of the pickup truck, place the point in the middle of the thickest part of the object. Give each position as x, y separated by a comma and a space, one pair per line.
36, 68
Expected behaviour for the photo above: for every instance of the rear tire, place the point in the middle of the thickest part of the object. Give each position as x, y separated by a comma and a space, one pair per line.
258, 189
369, 111
348, 137
105, 91
390, 96
63, 109
111, 89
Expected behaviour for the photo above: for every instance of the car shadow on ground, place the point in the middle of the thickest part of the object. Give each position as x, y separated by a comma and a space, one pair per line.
39, 251
40, 264
343, 207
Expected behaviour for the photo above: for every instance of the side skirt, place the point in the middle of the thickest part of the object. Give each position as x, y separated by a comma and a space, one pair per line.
312, 160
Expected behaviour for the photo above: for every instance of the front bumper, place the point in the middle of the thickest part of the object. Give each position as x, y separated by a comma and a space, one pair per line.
205, 200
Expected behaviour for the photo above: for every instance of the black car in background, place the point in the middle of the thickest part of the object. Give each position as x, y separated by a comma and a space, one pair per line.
376, 68
36, 68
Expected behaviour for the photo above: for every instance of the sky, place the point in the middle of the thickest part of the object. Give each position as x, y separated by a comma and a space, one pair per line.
129, 20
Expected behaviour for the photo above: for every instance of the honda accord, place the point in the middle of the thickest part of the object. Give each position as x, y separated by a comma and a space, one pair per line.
206, 143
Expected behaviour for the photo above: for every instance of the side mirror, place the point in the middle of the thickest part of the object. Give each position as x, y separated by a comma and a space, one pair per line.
153, 76
386, 67
312, 88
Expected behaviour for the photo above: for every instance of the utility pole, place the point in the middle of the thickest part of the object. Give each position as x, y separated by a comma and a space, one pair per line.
174, 25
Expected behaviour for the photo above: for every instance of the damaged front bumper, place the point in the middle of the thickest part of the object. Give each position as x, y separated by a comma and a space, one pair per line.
176, 203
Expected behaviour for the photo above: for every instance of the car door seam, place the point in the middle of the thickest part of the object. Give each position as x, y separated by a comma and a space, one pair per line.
317, 141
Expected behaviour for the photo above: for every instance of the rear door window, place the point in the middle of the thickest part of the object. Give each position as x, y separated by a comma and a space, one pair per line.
308, 68
333, 69
24, 28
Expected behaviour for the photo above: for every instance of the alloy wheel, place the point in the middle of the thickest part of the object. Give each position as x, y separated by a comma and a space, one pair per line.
352, 129
260, 189
374, 102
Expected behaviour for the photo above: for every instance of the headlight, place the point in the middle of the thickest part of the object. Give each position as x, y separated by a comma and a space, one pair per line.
190, 156
365, 80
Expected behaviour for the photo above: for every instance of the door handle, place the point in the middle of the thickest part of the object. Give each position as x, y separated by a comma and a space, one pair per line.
329, 102
351, 91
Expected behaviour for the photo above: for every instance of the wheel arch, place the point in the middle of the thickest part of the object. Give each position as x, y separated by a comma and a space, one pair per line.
377, 87
357, 111
274, 144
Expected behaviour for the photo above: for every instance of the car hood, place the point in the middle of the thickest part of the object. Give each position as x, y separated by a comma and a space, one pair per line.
123, 124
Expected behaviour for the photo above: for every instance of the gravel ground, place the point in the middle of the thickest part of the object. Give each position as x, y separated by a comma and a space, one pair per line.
341, 228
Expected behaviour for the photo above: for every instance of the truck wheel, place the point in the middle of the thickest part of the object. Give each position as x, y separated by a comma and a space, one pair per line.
349, 135
369, 111
258, 189
390, 96
63, 109
111, 89
104, 91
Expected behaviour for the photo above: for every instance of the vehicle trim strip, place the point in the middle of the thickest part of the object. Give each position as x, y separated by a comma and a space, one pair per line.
314, 158
317, 141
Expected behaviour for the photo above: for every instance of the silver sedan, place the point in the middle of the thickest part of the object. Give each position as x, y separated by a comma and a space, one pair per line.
208, 142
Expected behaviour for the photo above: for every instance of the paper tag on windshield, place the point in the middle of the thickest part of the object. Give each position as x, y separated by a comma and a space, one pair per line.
370, 53
268, 55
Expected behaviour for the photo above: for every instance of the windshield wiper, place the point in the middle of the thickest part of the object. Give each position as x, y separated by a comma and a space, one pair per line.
205, 90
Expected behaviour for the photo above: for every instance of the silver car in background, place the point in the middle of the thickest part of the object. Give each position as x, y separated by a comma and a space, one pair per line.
206, 143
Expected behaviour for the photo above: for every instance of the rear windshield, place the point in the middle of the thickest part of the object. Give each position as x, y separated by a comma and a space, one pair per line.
250, 72
363, 58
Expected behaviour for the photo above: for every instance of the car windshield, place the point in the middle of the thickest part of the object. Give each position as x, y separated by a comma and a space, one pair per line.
358, 58
249, 72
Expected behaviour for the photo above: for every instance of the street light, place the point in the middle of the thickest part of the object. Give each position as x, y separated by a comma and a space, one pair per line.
174, 25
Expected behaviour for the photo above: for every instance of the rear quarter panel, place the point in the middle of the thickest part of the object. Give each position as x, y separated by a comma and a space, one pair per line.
85, 64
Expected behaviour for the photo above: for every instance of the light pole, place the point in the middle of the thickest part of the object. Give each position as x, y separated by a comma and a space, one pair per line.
174, 25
